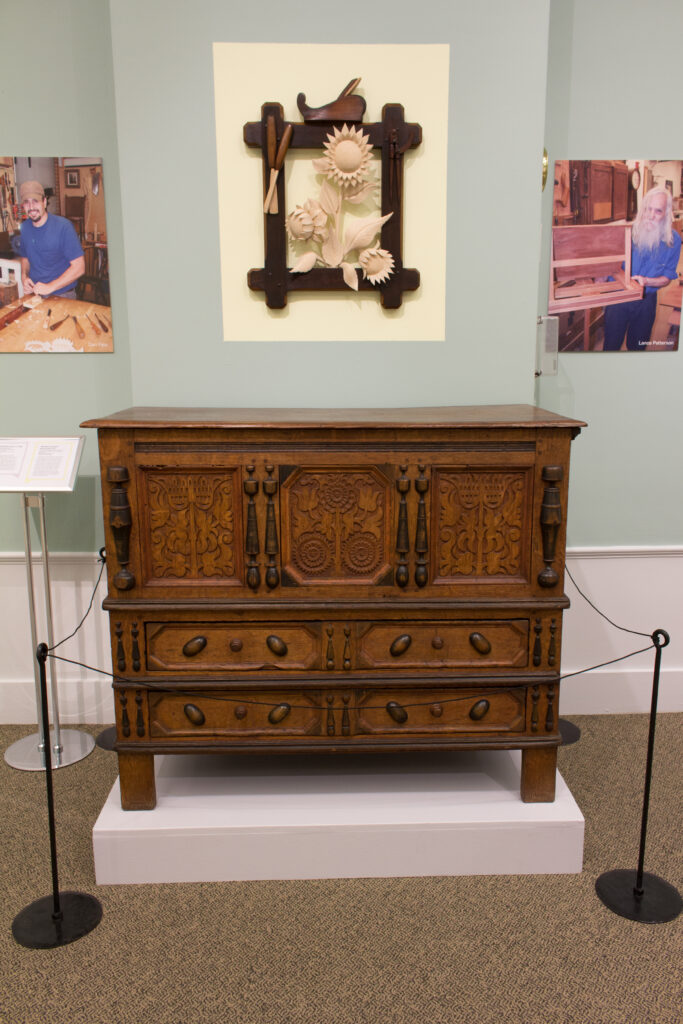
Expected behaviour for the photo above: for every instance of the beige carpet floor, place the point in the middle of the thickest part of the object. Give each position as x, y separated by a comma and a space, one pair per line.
476, 950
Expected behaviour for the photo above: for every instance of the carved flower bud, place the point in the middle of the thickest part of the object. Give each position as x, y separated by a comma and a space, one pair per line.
319, 218
300, 225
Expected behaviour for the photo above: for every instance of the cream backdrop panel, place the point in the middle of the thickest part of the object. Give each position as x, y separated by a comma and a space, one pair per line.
246, 75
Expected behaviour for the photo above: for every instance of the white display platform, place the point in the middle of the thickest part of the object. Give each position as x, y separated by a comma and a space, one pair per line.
228, 818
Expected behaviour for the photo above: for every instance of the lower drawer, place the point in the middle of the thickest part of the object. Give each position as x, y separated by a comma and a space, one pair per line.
289, 713
441, 711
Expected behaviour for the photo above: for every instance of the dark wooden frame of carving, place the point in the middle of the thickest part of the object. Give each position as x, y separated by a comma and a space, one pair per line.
393, 137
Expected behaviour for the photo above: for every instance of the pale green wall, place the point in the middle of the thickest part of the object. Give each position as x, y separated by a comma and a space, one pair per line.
614, 92
141, 94
164, 97
57, 99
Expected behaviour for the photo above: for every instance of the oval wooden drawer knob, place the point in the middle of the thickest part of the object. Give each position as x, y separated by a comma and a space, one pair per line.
278, 713
480, 643
400, 645
277, 645
194, 714
194, 646
398, 713
478, 710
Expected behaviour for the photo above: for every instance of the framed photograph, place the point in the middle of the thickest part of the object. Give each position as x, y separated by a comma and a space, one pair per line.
616, 262
39, 313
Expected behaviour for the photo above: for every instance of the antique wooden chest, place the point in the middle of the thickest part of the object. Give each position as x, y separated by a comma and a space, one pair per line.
335, 580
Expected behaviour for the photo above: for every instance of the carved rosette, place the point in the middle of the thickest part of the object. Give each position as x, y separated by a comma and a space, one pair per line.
480, 524
338, 522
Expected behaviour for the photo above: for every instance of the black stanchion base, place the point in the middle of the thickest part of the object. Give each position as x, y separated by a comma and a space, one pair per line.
569, 732
36, 928
107, 738
659, 901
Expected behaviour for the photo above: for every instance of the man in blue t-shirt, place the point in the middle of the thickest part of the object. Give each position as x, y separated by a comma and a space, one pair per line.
51, 254
655, 250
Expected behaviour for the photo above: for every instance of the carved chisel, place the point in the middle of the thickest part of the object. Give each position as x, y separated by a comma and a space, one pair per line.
93, 325
279, 160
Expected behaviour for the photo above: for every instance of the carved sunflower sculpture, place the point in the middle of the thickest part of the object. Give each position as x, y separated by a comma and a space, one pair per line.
348, 156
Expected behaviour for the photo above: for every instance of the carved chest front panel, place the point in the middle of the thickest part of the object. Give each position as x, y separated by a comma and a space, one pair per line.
362, 580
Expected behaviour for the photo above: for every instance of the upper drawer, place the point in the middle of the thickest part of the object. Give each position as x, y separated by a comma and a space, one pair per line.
449, 645
224, 647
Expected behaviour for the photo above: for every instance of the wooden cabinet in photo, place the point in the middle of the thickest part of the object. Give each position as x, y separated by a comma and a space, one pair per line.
335, 580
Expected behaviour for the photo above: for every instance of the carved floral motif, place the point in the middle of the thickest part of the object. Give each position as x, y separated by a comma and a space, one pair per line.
338, 524
480, 526
191, 516
318, 224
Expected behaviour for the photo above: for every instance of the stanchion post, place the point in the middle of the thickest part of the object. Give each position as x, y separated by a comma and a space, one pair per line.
63, 917
638, 895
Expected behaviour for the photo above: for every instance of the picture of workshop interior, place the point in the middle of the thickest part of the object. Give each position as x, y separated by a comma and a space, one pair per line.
610, 289
52, 217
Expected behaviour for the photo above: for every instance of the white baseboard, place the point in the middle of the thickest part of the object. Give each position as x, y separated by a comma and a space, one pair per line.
640, 588
83, 695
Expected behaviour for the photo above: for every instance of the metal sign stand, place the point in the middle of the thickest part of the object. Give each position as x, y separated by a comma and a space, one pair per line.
32, 466
67, 745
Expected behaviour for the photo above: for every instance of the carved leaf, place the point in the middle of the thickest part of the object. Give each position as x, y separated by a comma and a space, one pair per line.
330, 200
350, 276
361, 194
332, 250
305, 263
361, 234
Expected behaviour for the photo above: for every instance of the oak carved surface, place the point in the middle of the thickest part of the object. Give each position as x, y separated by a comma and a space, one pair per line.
338, 525
480, 523
192, 524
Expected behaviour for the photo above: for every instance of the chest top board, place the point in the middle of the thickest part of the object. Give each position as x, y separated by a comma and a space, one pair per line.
341, 580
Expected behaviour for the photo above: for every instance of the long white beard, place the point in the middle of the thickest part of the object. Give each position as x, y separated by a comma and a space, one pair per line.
647, 235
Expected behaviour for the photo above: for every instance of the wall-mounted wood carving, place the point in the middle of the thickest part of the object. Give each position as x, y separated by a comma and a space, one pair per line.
336, 129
